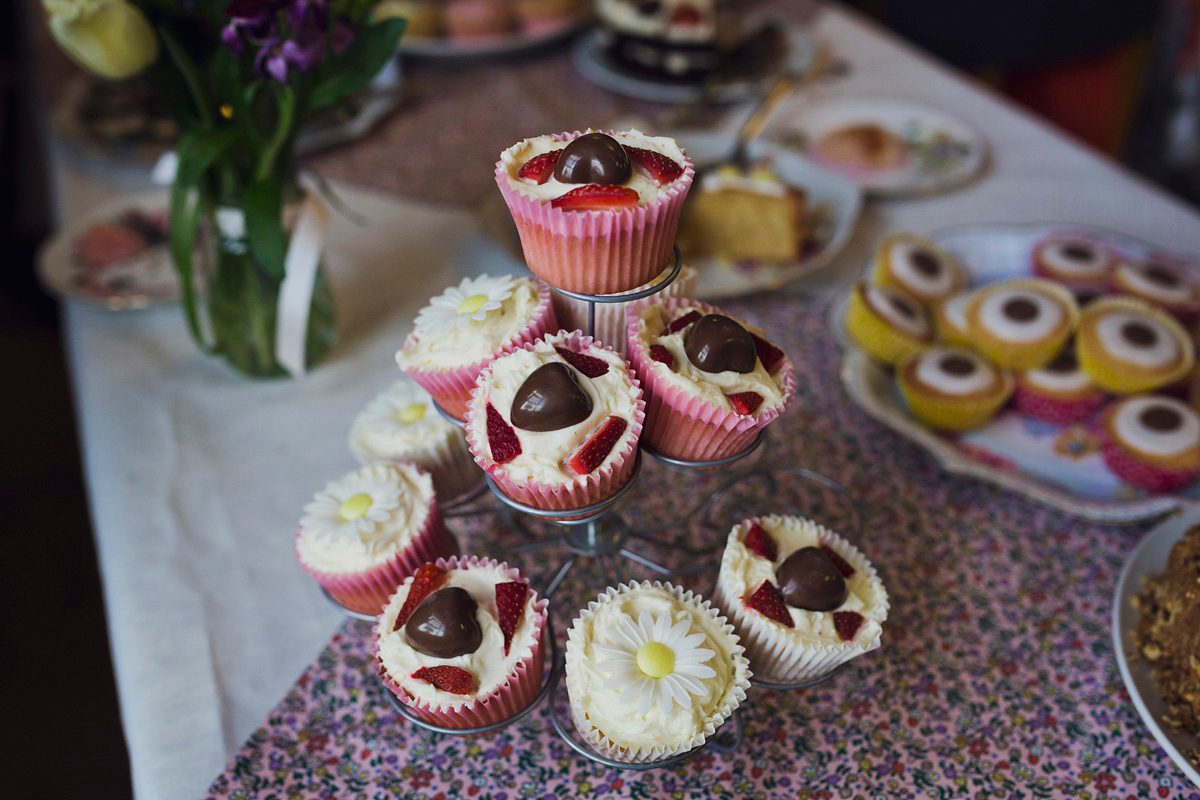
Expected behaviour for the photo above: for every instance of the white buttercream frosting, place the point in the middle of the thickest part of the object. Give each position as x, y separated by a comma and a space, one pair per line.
1128, 425
930, 372
1053, 257
400, 422
1163, 351
882, 301
1134, 278
1049, 315
628, 16
954, 311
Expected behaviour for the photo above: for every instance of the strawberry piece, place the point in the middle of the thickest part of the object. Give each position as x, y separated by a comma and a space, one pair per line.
684, 321
446, 678
539, 168
590, 366
760, 543
591, 454
510, 604
662, 355
745, 403
661, 169
502, 439
427, 578
686, 15
768, 601
842, 564
596, 197
847, 624
770, 355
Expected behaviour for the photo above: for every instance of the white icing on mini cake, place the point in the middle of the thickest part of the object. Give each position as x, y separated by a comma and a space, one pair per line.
400, 420
1055, 256
1072, 380
1111, 332
954, 312
1138, 278
882, 302
901, 259
932, 372
1128, 424
1048, 315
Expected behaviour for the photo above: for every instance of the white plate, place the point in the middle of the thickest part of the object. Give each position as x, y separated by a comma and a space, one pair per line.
146, 280
1025, 456
593, 63
1147, 560
448, 49
944, 152
836, 199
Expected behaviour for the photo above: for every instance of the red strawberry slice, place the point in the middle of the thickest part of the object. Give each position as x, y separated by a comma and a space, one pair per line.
760, 543
446, 678
591, 454
590, 366
684, 321
502, 439
662, 355
770, 355
767, 601
847, 624
661, 169
427, 578
596, 197
510, 605
745, 403
686, 15
842, 564
539, 168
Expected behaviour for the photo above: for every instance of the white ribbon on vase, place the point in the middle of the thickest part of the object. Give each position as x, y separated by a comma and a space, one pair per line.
299, 277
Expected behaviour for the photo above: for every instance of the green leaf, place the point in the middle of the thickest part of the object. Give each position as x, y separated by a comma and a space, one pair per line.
263, 205
355, 68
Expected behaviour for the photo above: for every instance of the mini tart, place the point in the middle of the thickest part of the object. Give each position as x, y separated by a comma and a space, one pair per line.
1059, 392
786, 643
1152, 442
452, 342
542, 472
952, 388
402, 424
1074, 261
1127, 346
862, 148
496, 680
1161, 283
889, 324
601, 251
950, 320
693, 414
634, 707
365, 533
1021, 323
914, 264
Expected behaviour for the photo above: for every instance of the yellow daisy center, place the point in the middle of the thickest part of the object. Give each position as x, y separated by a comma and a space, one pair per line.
472, 304
355, 507
656, 659
410, 413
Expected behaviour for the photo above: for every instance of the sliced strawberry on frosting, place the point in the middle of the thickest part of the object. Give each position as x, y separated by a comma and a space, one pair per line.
510, 605
591, 454
759, 542
683, 322
770, 355
427, 578
590, 366
842, 564
662, 355
768, 601
596, 197
446, 678
686, 15
539, 168
745, 403
847, 624
661, 169
502, 439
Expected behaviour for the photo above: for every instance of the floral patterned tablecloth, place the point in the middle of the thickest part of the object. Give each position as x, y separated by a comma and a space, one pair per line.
996, 677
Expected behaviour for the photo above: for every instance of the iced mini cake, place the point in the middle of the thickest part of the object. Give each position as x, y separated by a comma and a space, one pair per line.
556, 423
712, 383
363, 534
462, 329
1076, 262
664, 39
914, 264
950, 320
888, 324
652, 670
1021, 323
596, 212
1161, 283
802, 599
953, 388
1125, 345
460, 642
1152, 442
1059, 392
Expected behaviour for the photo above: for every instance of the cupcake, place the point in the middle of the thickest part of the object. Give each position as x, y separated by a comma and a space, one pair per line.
556, 423
363, 534
401, 424
596, 212
950, 320
712, 384
1127, 346
917, 266
1021, 323
952, 388
802, 599
887, 323
1078, 263
1152, 442
477, 20
1059, 392
465, 327
652, 671
460, 643
1162, 283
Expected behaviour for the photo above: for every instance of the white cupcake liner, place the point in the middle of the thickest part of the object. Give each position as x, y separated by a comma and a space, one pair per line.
639, 754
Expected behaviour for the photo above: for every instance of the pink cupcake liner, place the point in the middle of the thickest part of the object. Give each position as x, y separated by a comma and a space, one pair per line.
596, 252
451, 388
368, 592
510, 698
576, 491
1141, 474
685, 426
1042, 407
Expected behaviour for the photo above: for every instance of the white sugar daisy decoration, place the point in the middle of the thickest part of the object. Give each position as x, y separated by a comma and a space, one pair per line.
472, 299
354, 507
655, 662
400, 407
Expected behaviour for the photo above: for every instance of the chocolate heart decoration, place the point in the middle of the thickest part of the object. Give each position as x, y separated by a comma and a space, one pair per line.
550, 399
594, 158
716, 343
444, 625
809, 579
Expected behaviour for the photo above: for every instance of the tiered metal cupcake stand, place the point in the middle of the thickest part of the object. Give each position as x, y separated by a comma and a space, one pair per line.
599, 533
